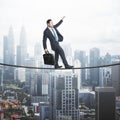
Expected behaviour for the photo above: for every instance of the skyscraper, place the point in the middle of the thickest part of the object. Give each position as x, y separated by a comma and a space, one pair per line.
1, 79
116, 79
94, 61
107, 59
67, 49
29, 76
6, 50
105, 103
18, 56
38, 55
83, 64
9, 54
37, 50
64, 97
22, 48
39, 87
40, 84
81, 56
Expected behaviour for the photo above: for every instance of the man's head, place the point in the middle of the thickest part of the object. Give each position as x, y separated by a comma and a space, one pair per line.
49, 23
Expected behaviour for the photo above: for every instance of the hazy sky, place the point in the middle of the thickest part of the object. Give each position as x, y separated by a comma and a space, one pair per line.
88, 23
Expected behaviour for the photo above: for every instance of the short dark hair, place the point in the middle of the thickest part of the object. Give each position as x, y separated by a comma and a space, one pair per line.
48, 21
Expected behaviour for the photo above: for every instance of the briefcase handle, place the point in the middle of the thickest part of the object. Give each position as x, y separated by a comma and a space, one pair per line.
47, 52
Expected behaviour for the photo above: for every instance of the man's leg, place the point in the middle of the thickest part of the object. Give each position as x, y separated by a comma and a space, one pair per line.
56, 60
62, 55
56, 57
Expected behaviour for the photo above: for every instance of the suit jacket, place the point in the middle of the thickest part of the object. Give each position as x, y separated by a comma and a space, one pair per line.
48, 34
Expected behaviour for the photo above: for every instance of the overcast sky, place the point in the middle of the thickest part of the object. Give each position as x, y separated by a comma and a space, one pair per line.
88, 23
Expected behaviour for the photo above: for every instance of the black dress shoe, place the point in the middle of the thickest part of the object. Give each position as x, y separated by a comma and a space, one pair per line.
57, 66
68, 67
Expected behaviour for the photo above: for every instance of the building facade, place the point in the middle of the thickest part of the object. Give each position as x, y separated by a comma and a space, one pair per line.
116, 79
64, 94
81, 56
94, 61
1, 79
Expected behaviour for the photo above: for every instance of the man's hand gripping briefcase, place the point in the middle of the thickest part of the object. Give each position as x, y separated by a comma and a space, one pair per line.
48, 59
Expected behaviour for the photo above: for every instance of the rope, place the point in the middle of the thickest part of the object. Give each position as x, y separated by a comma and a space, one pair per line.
99, 66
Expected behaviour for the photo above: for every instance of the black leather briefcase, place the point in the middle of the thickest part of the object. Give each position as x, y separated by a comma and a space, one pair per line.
49, 59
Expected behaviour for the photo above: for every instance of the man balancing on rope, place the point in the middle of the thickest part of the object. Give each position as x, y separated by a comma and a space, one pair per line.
55, 37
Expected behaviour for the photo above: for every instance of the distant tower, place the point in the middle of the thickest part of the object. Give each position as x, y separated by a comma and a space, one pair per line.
38, 54
1, 79
67, 49
39, 85
18, 57
94, 61
83, 64
107, 59
81, 56
116, 79
6, 50
11, 46
78, 72
37, 50
22, 48
9, 53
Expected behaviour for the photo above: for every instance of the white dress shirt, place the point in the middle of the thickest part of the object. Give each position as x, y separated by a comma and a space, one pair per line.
54, 33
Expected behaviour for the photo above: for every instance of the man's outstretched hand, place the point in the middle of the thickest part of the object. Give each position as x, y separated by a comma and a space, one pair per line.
63, 17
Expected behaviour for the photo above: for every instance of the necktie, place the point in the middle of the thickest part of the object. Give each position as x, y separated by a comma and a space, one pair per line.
55, 34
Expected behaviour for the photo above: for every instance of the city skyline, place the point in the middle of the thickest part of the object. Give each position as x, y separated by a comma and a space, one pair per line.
87, 24
37, 48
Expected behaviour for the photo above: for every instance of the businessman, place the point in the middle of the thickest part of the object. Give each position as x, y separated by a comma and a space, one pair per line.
55, 37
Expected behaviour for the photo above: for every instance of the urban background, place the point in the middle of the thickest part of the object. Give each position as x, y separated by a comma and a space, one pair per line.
91, 31
45, 94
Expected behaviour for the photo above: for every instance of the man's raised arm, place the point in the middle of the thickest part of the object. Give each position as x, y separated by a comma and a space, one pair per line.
56, 25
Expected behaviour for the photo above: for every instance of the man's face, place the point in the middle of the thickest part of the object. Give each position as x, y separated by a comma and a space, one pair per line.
50, 24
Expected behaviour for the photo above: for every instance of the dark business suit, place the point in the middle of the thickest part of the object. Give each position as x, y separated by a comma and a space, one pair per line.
55, 44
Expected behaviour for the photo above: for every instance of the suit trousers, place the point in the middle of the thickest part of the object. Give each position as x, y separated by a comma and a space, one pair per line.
59, 51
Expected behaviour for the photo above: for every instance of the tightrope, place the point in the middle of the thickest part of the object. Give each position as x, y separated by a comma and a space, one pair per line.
52, 68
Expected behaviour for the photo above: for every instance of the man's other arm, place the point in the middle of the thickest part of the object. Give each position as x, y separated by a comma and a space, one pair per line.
44, 43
